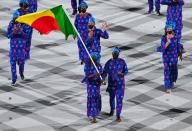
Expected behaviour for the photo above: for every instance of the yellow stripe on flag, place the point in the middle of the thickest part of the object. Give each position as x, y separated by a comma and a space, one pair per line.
30, 18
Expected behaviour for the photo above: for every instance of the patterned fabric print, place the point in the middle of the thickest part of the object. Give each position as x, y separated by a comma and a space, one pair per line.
170, 59
157, 5
17, 47
170, 2
93, 90
74, 4
28, 29
170, 75
119, 94
116, 83
33, 8
33, 5
81, 23
112, 67
174, 15
93, 44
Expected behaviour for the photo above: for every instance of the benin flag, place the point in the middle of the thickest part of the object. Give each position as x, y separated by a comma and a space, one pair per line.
49, 20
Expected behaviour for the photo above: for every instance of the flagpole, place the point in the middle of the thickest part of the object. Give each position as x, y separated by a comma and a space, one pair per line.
83, 44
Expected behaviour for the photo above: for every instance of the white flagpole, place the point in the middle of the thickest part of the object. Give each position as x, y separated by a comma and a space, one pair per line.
83, 43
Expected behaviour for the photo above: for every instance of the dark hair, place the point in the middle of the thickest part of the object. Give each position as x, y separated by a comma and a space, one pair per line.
24, 4
165, 33
21, 4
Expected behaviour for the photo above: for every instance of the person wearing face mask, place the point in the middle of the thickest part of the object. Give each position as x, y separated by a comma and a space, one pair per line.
170, 54
26, 7
81, 23
157, 6
18, 39
94, 36
116, 69
74, 6
174, 15
93, 81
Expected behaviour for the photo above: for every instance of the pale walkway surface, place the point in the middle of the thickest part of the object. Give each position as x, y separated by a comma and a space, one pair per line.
52, 96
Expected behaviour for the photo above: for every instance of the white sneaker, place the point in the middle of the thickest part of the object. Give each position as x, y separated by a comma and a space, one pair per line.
13, 83
168, 91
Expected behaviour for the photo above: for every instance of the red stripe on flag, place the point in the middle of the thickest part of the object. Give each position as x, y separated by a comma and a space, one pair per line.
45, 24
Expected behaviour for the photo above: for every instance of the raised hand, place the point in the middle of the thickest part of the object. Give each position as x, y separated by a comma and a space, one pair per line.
104, 26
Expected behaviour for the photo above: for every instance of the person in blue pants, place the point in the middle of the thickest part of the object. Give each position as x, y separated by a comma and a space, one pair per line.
116, 69
151, 6
93, 81
18, 39
171, 51
74, 6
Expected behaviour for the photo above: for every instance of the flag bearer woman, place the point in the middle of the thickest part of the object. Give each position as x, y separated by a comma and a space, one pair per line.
93, 81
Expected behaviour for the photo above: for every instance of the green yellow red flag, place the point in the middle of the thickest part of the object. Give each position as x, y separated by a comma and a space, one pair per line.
49, 20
